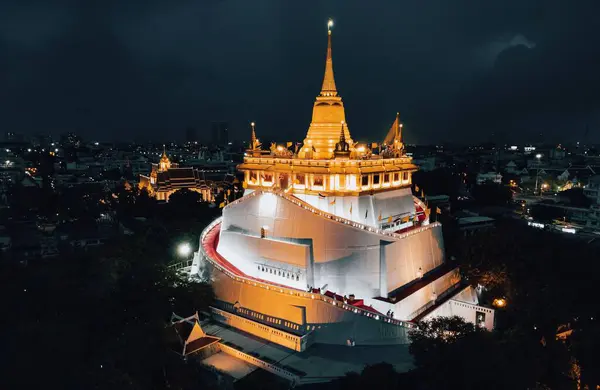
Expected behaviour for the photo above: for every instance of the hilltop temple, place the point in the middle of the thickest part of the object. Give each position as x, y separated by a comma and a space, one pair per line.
328, 245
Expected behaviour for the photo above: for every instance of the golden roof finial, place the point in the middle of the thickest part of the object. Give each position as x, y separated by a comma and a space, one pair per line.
254, 142
342, 135
328, 88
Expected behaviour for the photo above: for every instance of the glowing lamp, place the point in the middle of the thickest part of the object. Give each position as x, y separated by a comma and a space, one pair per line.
499, 302
184, 249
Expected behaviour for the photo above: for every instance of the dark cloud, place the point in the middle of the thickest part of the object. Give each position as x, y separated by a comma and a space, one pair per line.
456, 70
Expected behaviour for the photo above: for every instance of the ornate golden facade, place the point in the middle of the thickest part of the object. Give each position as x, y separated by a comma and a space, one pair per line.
329, 163
166, 177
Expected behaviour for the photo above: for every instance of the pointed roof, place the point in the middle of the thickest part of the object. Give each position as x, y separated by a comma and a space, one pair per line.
253, 136
328, 88
164, 156
342, 135
395, 132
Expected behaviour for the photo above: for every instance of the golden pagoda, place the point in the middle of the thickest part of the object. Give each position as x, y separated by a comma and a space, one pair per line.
329, 164
328, 113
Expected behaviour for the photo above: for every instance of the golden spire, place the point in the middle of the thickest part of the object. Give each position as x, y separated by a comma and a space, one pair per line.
328, 88
164, 162
342, 135
253, 136
254, 142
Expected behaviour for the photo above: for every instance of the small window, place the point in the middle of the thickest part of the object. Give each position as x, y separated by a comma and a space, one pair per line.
318, 180
300, 179
376, 179
405, 176
365, 180
396, 176
253, 176
386, 177
268, 177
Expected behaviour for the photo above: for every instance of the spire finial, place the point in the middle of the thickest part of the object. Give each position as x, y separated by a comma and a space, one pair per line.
328, 88
253, 136
342, 148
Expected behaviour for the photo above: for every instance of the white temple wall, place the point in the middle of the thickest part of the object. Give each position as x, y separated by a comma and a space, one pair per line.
405, 309
466, 310
275, 261
366, 209
346, 259
404, 257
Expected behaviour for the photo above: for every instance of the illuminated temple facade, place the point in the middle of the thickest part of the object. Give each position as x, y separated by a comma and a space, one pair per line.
166, 177
328, 243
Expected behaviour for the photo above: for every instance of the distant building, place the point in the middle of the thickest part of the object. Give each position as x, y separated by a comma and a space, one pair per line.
592, 190
220, 133
471, 225
490, 177
165, 178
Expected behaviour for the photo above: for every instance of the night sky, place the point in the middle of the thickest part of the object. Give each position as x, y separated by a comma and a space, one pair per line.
456, 70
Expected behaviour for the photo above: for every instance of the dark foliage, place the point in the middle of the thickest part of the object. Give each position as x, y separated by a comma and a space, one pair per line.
95, 320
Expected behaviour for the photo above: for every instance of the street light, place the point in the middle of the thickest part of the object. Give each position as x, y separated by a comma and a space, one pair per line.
184, 249
537, 175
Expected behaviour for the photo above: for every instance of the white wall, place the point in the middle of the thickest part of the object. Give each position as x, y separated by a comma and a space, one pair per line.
404, 258
466, 310
346, 259
389, 203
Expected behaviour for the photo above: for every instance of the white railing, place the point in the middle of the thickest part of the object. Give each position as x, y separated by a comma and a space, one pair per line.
334, 217
292, 291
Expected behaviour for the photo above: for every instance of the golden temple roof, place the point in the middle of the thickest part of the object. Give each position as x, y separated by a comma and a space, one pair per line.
328, 113
328, 88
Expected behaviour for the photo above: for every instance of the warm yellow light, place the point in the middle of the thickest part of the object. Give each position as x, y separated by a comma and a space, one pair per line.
499, 302
360, 149
329, 24
252, 124
280, 148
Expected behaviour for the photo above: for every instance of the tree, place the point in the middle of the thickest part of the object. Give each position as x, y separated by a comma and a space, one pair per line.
101, 317
184, 199
453, 354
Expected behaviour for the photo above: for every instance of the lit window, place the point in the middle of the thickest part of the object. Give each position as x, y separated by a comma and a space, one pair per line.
386, 178
405, 176
318, 181
396, 176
